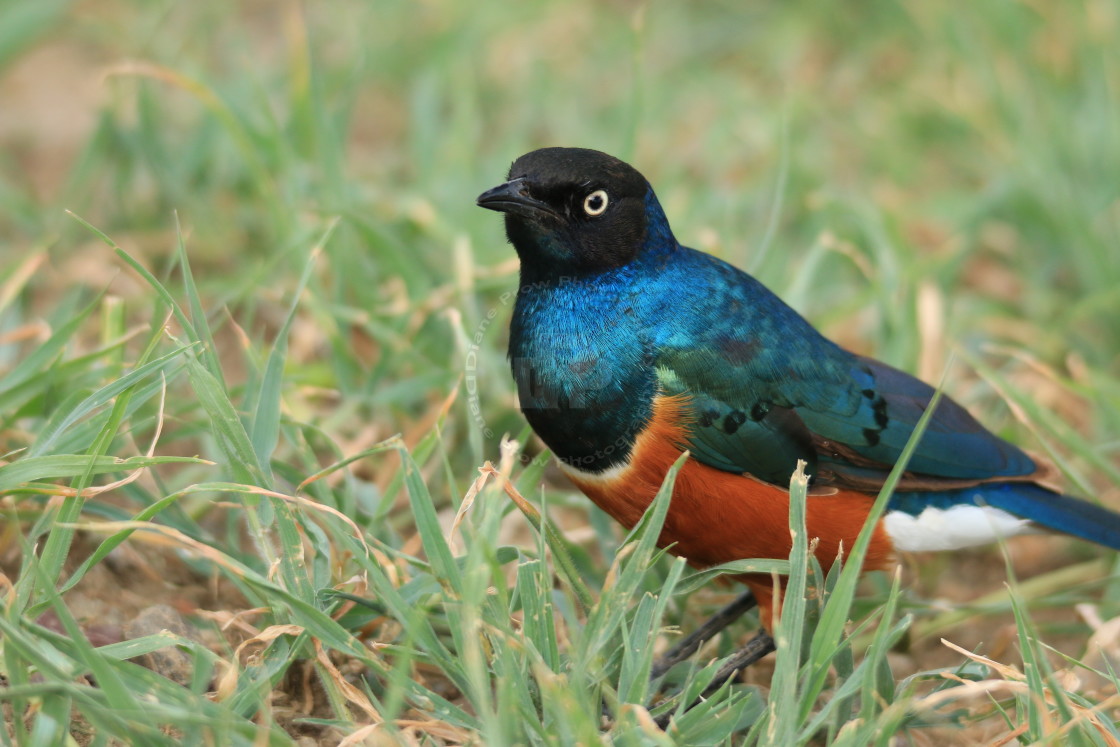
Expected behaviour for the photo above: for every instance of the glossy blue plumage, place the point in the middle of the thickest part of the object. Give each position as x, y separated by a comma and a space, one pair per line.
599, 332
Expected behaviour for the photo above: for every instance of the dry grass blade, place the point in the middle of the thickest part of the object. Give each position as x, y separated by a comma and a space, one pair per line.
1006, 671
352, 694
227, 685
1014, 682
203, 550
312, 505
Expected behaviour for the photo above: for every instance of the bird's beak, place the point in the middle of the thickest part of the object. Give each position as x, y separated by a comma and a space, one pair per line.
513, 197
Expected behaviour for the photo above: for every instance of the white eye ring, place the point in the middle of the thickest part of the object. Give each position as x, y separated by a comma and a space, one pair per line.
595, 204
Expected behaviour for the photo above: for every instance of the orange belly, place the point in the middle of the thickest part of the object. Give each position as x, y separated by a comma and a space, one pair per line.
716, 516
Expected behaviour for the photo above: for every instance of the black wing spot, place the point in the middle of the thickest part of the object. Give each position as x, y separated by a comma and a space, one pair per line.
869, 393
871, 436
734, 419
880, 408
707, 418
759, 410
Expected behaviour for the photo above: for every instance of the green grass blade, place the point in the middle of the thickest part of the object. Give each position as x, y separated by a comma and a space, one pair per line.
539, 623
606, 616
41, 358
54, 429
784, 722
264, 431
228, 429
199, 331
834, 616
427, 524
60, 466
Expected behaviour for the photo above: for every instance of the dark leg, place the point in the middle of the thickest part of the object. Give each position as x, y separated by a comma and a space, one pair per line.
756, 648
692, 642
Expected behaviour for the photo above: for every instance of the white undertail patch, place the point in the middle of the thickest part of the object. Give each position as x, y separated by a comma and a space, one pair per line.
952, 528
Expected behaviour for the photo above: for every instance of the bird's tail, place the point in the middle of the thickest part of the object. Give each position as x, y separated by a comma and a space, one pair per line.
1062, 513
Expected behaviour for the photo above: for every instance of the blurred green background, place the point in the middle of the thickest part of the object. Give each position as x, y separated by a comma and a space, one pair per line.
845, 154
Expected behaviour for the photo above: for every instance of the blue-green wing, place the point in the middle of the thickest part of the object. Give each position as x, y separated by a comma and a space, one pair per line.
848, 417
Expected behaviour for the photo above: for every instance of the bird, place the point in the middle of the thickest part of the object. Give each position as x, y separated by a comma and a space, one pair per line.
629, 349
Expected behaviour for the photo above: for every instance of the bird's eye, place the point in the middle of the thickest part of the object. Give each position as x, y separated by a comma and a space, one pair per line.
595, 203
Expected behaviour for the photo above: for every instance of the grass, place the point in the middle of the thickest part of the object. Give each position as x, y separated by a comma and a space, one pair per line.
252, 362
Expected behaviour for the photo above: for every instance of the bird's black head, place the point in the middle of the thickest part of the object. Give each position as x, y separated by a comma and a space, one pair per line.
572, 210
